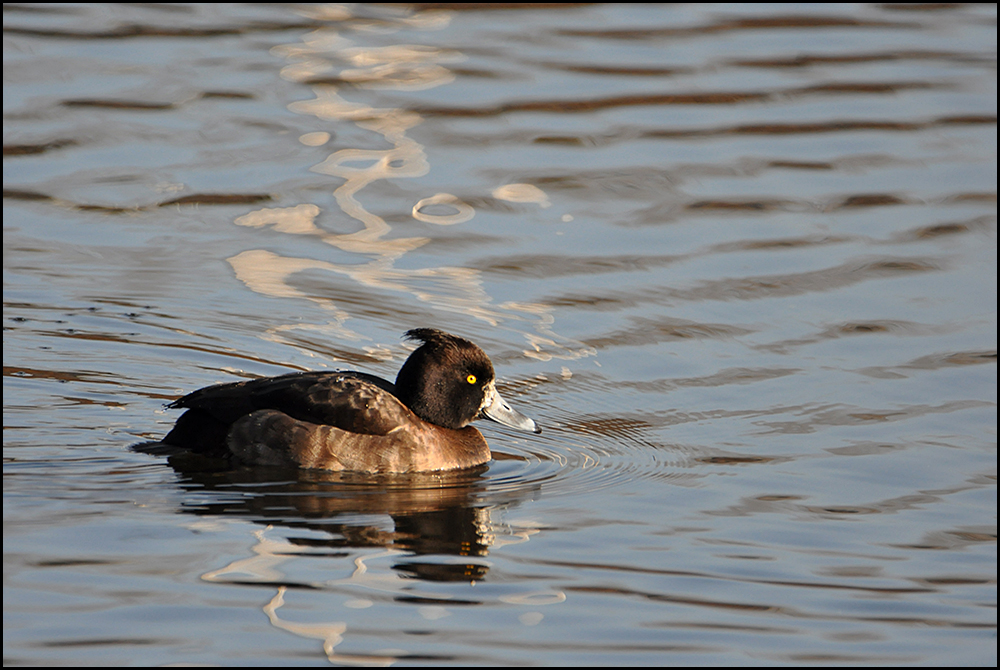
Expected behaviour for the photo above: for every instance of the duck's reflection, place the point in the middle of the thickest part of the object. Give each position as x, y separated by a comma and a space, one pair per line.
380, 540
426, 514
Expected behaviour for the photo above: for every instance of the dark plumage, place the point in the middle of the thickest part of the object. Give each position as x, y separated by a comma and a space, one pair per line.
356, 421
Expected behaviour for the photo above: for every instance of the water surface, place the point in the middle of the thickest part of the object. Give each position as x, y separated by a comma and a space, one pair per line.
738, 261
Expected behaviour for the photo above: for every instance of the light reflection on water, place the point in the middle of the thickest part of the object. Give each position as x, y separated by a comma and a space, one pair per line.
739, 262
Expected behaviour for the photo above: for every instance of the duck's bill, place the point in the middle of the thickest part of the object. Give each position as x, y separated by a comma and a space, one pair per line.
497, 409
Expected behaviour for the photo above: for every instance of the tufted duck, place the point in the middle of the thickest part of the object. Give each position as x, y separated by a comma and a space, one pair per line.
356, 421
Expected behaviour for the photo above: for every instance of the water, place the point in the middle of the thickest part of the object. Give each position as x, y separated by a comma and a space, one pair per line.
739, 262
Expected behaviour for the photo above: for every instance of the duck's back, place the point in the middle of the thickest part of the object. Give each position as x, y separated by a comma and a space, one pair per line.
327, 420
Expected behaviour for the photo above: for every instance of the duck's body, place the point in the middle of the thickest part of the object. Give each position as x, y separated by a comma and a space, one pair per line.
356, 421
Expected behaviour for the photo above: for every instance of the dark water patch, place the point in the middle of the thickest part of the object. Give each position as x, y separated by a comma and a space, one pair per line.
932, 362
633, 183
962, 198
567, 106
869, 448
227, 95
865, 88
15, 8
778, 244
868, 200
106, 642
818, 127
566, 140
801, 165
739, 206
145, 31
25, 195
616, 71
627, 133
857, 328
844, 415
720, 24
724, 377
645, 331
753, 288
979, 224
60, 375
958, 538
497, 6
809, 60
75, 562
739, 459
872, 327
582, 106
540, 266
193, 199
133, 105
218, 199
25, 149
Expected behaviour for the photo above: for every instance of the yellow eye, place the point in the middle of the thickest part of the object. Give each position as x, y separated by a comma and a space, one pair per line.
471, 379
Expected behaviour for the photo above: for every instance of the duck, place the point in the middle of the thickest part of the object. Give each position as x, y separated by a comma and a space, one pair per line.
354, 421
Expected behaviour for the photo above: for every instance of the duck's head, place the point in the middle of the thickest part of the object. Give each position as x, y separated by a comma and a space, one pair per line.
449, 381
